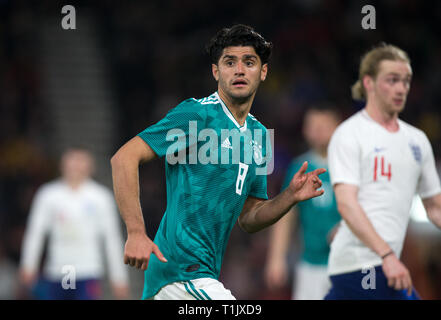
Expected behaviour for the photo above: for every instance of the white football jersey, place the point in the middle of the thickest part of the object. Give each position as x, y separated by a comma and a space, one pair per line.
389, 168
82, 225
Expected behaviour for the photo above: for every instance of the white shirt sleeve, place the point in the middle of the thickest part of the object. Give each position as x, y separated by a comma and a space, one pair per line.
344, 157
428, 184
113, 242
36, 229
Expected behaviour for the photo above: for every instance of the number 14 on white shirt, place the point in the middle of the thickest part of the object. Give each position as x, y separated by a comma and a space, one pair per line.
382, 172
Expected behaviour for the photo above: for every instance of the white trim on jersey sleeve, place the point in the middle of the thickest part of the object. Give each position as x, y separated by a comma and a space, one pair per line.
428, 184
344, 157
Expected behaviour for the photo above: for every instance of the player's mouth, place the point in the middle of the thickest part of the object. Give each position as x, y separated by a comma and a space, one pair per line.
239, 83
398, 101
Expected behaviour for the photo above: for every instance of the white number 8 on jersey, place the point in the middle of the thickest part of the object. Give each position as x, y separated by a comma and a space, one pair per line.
243, 169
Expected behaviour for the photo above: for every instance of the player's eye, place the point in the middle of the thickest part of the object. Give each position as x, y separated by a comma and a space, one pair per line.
249, 63
229, 63
393, 80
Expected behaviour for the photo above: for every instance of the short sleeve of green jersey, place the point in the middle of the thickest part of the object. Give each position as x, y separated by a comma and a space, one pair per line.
259, 188
172, 133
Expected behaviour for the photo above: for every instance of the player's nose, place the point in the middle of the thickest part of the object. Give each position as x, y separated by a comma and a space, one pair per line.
402, 88
240, 68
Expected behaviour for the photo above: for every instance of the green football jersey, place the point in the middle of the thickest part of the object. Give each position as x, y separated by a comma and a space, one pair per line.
212, 165
317, 216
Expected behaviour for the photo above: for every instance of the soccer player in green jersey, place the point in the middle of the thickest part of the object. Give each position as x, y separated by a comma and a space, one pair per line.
316, 219
216, 157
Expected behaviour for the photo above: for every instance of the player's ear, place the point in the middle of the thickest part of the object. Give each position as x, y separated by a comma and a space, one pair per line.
368, 83
263, 72
215, 71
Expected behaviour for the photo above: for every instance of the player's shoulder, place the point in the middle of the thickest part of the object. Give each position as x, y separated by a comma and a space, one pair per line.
50, 187
205, 102
199, 106
98, 189
412, 130
348, 128
352, 122
256, 123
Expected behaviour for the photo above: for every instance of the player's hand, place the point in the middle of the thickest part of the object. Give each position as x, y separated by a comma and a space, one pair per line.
398, 276
276, 274
331, 234
120, 291
27, 278
304, 185
138, 249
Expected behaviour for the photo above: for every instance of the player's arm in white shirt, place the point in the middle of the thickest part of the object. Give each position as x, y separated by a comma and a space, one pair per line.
347, 201
433, 208
429, 185
276, 269
33, 240
113, 244
344, 167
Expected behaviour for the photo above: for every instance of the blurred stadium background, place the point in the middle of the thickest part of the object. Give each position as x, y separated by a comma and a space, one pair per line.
128, 62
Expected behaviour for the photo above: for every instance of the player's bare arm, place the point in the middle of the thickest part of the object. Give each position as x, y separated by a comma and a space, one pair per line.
433, 208
258, 214
276, 269
125, 175
397, 274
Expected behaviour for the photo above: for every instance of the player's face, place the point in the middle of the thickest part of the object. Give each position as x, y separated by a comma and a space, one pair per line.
239, 72
76, 165
392, 85
318, 128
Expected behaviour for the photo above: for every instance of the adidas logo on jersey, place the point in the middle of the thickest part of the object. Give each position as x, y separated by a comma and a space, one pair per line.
227, 144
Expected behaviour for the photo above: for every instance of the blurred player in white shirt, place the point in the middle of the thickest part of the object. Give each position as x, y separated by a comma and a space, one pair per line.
80, 217
377, 164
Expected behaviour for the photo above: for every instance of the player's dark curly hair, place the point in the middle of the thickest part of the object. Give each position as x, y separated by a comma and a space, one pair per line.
238, 35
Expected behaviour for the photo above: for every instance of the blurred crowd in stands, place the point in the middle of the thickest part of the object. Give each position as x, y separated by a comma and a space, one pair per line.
155, 50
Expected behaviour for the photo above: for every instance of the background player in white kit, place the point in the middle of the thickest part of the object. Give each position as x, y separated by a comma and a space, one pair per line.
377, 163
80, 218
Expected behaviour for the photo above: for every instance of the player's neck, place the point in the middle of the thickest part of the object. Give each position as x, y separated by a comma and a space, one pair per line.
74, 184
322, 152
388, 120
238, 108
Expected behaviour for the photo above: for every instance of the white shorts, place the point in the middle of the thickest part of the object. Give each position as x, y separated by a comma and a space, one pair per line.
197, 289
311, 282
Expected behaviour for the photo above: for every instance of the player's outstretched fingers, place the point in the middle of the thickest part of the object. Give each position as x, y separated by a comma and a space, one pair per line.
158, 253
303, 168
319, 171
